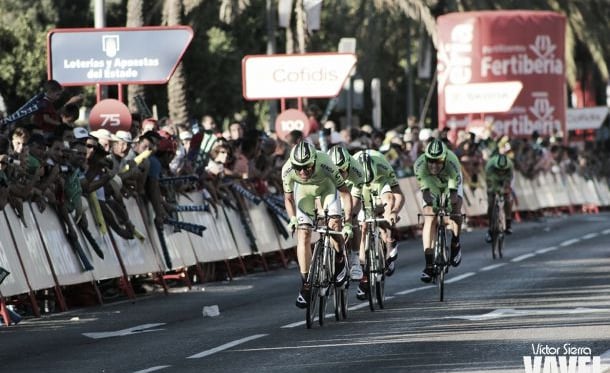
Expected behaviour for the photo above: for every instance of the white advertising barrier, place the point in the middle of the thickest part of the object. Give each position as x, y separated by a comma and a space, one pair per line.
32, 250
589, 191
542, 192
603, 191
67, 266
16, 282
210, 247
180, 243
233, 231
525, 194
575, 194
556, 188
263, 228
153, 238
138, 256
106, 268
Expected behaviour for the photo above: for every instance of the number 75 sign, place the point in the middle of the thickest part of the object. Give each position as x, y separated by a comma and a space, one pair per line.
110, 114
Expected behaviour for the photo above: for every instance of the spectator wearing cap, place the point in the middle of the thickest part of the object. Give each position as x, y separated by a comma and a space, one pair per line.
120, 148
104, 137
149, 124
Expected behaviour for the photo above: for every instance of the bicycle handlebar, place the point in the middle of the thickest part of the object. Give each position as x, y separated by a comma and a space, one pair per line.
332, 233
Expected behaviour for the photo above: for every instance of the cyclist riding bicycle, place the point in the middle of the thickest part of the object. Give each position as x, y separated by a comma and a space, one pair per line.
438, 170
353, 174
381, 186
499, 176
307, 175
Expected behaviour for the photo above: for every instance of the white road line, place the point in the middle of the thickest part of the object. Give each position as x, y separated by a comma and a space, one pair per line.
460, 277
546, 250
414, 290
493, 266
522, 257
225, 346
293, 325
606, 231
153, 369
569, 242
589, 236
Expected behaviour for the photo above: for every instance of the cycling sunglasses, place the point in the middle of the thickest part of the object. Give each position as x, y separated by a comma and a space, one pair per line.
301, 168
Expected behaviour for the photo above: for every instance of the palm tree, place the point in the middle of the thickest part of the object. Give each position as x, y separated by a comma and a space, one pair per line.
135, 18
176, 88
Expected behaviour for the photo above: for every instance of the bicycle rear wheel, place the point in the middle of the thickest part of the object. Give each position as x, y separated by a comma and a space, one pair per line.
370, 269
314, 279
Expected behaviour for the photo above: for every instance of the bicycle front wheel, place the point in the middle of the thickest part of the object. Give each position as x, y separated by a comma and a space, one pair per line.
441, 260
380, 281
370, 269
314, 278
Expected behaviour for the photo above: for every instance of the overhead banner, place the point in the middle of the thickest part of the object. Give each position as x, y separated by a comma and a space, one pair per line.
506, 68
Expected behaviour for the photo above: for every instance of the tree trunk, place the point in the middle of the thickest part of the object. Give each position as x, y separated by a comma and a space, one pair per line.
176, 88
135, 18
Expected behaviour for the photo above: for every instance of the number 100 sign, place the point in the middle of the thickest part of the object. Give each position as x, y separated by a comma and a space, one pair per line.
110, 114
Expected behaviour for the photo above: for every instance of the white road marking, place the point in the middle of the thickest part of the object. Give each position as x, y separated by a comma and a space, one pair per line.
408, 291
522, 257
145, 328
153, 369
493, 266
460, 277
569, 242
225, 346
606, 231
511, 312
589, 236
293, 325
605, 361
546, 250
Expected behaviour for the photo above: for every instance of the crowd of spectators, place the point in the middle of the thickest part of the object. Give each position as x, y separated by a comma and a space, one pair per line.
53, 162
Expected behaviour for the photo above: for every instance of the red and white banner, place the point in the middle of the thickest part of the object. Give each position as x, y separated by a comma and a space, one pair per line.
479, 50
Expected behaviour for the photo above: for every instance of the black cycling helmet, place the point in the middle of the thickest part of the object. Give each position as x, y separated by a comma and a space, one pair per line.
502, 162
364, 158
340, 157
303, 155
436, 150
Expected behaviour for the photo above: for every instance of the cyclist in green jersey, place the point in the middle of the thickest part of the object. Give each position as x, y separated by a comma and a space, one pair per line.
499, 172
381, 186
353, 174
310, 174
438, 171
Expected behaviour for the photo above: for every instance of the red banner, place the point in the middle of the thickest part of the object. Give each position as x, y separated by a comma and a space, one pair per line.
486, 59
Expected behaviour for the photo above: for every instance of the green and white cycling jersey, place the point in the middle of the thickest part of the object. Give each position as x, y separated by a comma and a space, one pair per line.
497, 180
323, 183
384, 179
449, 178
355, 178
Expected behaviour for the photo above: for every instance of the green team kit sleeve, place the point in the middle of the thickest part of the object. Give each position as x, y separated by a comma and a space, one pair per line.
355, 178
450, 176
324, 171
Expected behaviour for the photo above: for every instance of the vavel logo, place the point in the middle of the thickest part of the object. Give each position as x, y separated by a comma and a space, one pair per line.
522, 124
544, 63
561, 359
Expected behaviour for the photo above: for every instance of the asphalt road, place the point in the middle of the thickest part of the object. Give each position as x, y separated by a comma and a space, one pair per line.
548, 297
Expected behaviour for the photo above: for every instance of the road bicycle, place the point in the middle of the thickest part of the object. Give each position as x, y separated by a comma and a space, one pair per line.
375, 252
441, 258
321, 277
497, 225
375, 265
